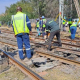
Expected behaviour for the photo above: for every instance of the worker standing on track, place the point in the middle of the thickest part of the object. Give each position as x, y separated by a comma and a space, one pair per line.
21, 26
73, 29
43, 27
41, 24
54, 30
38, 27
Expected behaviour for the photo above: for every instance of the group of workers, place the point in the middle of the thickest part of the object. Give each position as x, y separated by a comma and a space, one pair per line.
48, 27
40, 25
22, 27
72, 27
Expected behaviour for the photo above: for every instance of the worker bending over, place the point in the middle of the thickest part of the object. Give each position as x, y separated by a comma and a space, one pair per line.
54, 30
21, 26
73, 29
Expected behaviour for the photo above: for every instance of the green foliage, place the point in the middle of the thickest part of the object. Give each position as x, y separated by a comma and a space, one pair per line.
26, 8
37, 8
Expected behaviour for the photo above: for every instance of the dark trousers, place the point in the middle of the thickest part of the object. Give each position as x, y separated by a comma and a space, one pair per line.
52, 34
43, 31
69, 26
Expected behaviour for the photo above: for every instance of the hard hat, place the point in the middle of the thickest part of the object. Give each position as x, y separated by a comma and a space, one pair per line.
42, 16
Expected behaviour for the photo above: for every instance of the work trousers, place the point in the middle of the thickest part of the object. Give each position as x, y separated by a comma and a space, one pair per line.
52, 34
64, 27
38, 31
69, 27
43, 31
73, 32
23, 38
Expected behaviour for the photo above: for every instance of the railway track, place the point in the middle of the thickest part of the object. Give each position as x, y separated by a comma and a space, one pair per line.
66, 42
41, 50
54, 47
22, 67
12, 42
61, 59
34, 34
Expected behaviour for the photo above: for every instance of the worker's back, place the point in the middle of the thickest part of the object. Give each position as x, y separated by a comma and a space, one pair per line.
52, 25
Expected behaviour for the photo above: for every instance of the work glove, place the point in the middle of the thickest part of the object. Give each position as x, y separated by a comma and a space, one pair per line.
15, 36
30, 32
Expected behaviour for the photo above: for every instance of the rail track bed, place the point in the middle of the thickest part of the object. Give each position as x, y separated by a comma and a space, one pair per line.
62, 63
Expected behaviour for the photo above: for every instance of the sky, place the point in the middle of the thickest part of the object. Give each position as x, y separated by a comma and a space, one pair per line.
4, 3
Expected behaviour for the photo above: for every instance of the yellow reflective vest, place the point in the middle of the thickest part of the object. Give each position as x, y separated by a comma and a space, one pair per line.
64, 21
37, 24
19, 23
44, 23
0, 24
73, 25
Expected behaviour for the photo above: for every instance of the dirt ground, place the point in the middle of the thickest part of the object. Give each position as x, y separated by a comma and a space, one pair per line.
57, 73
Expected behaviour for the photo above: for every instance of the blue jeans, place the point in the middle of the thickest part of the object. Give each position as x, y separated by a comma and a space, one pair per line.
73, 32
23, 38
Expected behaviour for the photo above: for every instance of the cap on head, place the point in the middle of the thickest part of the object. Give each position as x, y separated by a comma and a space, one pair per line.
43, 17
19, 9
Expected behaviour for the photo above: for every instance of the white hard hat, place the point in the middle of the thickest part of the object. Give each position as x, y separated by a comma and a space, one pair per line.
43, 17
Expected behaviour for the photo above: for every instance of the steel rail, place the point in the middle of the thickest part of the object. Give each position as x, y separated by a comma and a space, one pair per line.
23, 68
54, 47
66, 40
15, 45
62, 43
61, 59
41, 36
7, 31
43, 39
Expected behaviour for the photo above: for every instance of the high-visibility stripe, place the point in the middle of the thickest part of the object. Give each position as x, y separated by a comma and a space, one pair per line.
50, 21
15, 24
24, 21
28, 49
20, 49
28, 22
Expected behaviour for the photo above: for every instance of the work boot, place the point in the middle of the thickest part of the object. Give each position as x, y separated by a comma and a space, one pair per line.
60, 45
49, 49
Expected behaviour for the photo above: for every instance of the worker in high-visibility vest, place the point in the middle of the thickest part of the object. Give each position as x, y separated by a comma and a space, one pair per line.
54, 31
21, 26
64, 22
73, 29
38, 27
43, 27
41, 24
